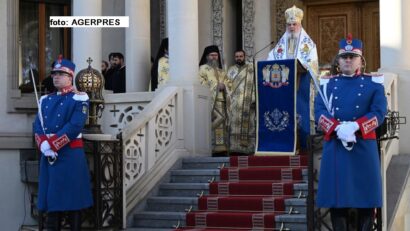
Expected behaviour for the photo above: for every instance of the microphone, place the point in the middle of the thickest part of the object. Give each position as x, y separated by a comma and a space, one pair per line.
254, 66
254, 56
263, 48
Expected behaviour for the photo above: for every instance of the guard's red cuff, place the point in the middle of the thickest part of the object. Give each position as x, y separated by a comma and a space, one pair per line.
327, 125
39, 139
368, 127
56, 143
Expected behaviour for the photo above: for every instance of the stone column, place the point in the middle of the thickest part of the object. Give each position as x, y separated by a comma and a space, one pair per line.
395, 34
395, 54
257, 29
87, 41
395, 63
138, 45
262, 22
195, 133
183, 41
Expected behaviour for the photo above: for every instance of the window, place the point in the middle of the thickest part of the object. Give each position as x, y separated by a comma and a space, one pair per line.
39, 45
31, 43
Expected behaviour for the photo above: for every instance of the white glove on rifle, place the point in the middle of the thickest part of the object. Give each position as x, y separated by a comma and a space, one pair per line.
50, 153
346, 130
45, 146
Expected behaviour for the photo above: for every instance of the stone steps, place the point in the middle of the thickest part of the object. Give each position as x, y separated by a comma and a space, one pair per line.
167, 208
204, 162
183, 189
176, 204
293, 222
158, 219
147, 229
194, 175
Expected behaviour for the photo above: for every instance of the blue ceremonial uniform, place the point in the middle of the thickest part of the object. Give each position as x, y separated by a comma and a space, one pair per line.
351, 178
65, 185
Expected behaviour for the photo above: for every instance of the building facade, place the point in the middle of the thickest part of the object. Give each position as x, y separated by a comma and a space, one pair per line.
29, 44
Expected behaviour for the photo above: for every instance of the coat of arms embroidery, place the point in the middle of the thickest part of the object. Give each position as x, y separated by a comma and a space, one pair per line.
275, 75
276, 120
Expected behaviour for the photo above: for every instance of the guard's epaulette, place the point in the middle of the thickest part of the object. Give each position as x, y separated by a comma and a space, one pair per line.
324, 79
373, 74
47, 95
75, 91
327, 76
376, 77
80, 96
42, 98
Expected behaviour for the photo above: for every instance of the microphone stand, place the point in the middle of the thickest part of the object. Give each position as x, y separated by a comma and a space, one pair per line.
254, 64
263, 48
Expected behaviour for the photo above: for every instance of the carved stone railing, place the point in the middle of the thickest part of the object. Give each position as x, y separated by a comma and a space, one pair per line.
388, 147
154, 131
149, 127
121, 109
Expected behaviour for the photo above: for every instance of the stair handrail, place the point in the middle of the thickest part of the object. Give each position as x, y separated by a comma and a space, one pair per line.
145, 134
160, 101
388, 146
148, 139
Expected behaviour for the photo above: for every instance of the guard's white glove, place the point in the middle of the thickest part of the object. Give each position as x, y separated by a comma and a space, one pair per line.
346, 130
50, 153
45, 146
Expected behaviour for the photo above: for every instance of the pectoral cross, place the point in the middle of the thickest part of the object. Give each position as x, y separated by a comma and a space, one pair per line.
291, 48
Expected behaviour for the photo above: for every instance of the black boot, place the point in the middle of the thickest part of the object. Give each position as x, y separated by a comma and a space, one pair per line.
53, 221
366, 219
75, 220
339, 219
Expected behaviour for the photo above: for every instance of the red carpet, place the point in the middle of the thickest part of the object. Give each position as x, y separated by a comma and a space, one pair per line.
231, 219
279, 161
251, 188
242, 203
251, 192
261, 174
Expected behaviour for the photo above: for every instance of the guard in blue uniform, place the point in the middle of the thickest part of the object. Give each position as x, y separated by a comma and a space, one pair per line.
64, 183
350, 168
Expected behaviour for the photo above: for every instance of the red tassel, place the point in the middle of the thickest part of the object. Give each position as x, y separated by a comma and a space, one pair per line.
60, 58
349, 37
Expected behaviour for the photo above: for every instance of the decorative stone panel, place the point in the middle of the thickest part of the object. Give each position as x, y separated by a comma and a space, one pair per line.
248, 17
217, 24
